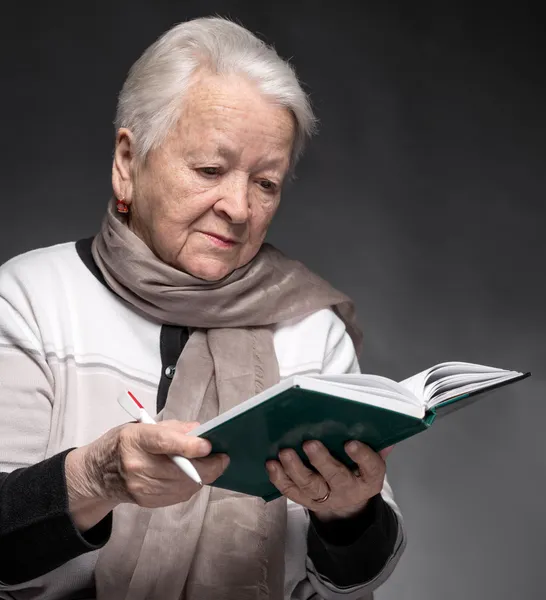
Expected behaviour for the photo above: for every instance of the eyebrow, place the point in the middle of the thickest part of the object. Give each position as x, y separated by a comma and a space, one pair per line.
231, 155
221, 151
272, 163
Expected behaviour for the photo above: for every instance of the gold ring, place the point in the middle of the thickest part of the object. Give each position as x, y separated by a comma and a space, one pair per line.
324, 498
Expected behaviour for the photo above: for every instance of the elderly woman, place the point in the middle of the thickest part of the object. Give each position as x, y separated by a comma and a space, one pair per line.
179, 299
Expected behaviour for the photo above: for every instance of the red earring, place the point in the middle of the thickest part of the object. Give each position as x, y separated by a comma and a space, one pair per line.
122, 207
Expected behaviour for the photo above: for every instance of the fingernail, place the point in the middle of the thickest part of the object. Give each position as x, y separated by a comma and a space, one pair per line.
271, 467
352, 446
204, 446
312, 446
286, 455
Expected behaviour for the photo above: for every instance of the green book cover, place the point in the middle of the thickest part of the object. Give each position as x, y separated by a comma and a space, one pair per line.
293, 417
290, 413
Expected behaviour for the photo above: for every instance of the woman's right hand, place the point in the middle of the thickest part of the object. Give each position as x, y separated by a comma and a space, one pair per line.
130, 463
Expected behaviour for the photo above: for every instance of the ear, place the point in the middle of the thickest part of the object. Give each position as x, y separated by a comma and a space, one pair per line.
124, 166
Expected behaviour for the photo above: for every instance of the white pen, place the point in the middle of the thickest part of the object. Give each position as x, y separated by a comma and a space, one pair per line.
138, 412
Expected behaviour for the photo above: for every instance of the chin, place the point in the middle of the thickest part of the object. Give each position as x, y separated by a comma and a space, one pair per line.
207, 270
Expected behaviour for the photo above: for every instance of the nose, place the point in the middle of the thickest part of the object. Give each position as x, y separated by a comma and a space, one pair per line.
234, 202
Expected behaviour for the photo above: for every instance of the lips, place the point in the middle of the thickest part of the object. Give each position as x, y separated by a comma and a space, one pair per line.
220, 240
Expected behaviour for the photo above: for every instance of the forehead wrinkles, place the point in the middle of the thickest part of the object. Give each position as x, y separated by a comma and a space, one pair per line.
219, 112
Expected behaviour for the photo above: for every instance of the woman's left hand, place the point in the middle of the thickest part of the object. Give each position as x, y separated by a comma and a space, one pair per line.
334, 491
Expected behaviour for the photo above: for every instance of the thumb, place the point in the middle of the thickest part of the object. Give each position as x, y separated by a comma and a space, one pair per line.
180, 426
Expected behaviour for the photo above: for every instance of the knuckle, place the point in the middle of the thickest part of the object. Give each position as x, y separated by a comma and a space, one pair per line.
134, 489
366, 455
186, 447
131, 464
178, 426
186, 426
320, 463
288, 489
340, 478
308, 484
193, 445
376, 469
163, 441
373, 465
128, 459
210, 468
126, 437
176, 442
141, 488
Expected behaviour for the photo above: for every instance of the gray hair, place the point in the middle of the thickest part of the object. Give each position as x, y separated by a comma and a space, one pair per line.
151, 98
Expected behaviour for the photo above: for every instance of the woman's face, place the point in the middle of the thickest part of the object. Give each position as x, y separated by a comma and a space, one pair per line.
204, 200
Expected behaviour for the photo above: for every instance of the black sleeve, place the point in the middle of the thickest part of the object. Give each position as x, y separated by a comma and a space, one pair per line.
37, 533
353, 551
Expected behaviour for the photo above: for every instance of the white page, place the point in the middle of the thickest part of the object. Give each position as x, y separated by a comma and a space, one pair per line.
472, 387
381, 398
459, 368
416, 383
367, 390
371, 383
452, 382
423, 384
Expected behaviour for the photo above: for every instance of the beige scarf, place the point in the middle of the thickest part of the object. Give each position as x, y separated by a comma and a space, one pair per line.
218, 545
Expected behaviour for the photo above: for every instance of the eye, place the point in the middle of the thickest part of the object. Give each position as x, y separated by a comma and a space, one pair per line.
209, 171
267, 185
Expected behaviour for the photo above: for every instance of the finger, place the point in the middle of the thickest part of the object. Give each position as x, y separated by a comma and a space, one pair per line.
166, 484
211, 467
334, 472
170, 440
136, 463
370, 465
181, 426
167, 475
151, 492
159, 467
385, 452
154, 466
283, 483
309, 482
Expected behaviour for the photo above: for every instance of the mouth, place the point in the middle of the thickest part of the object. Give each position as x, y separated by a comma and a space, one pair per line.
220, 240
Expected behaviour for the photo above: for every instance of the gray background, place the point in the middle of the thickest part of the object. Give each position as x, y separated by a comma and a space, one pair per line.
422, 197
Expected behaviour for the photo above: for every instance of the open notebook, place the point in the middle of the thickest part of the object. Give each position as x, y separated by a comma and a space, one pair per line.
435, 388
335, 409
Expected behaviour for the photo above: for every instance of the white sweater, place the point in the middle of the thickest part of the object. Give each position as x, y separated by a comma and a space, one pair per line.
69, 346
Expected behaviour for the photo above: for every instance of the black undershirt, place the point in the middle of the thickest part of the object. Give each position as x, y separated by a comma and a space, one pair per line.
37, 533
171, 343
